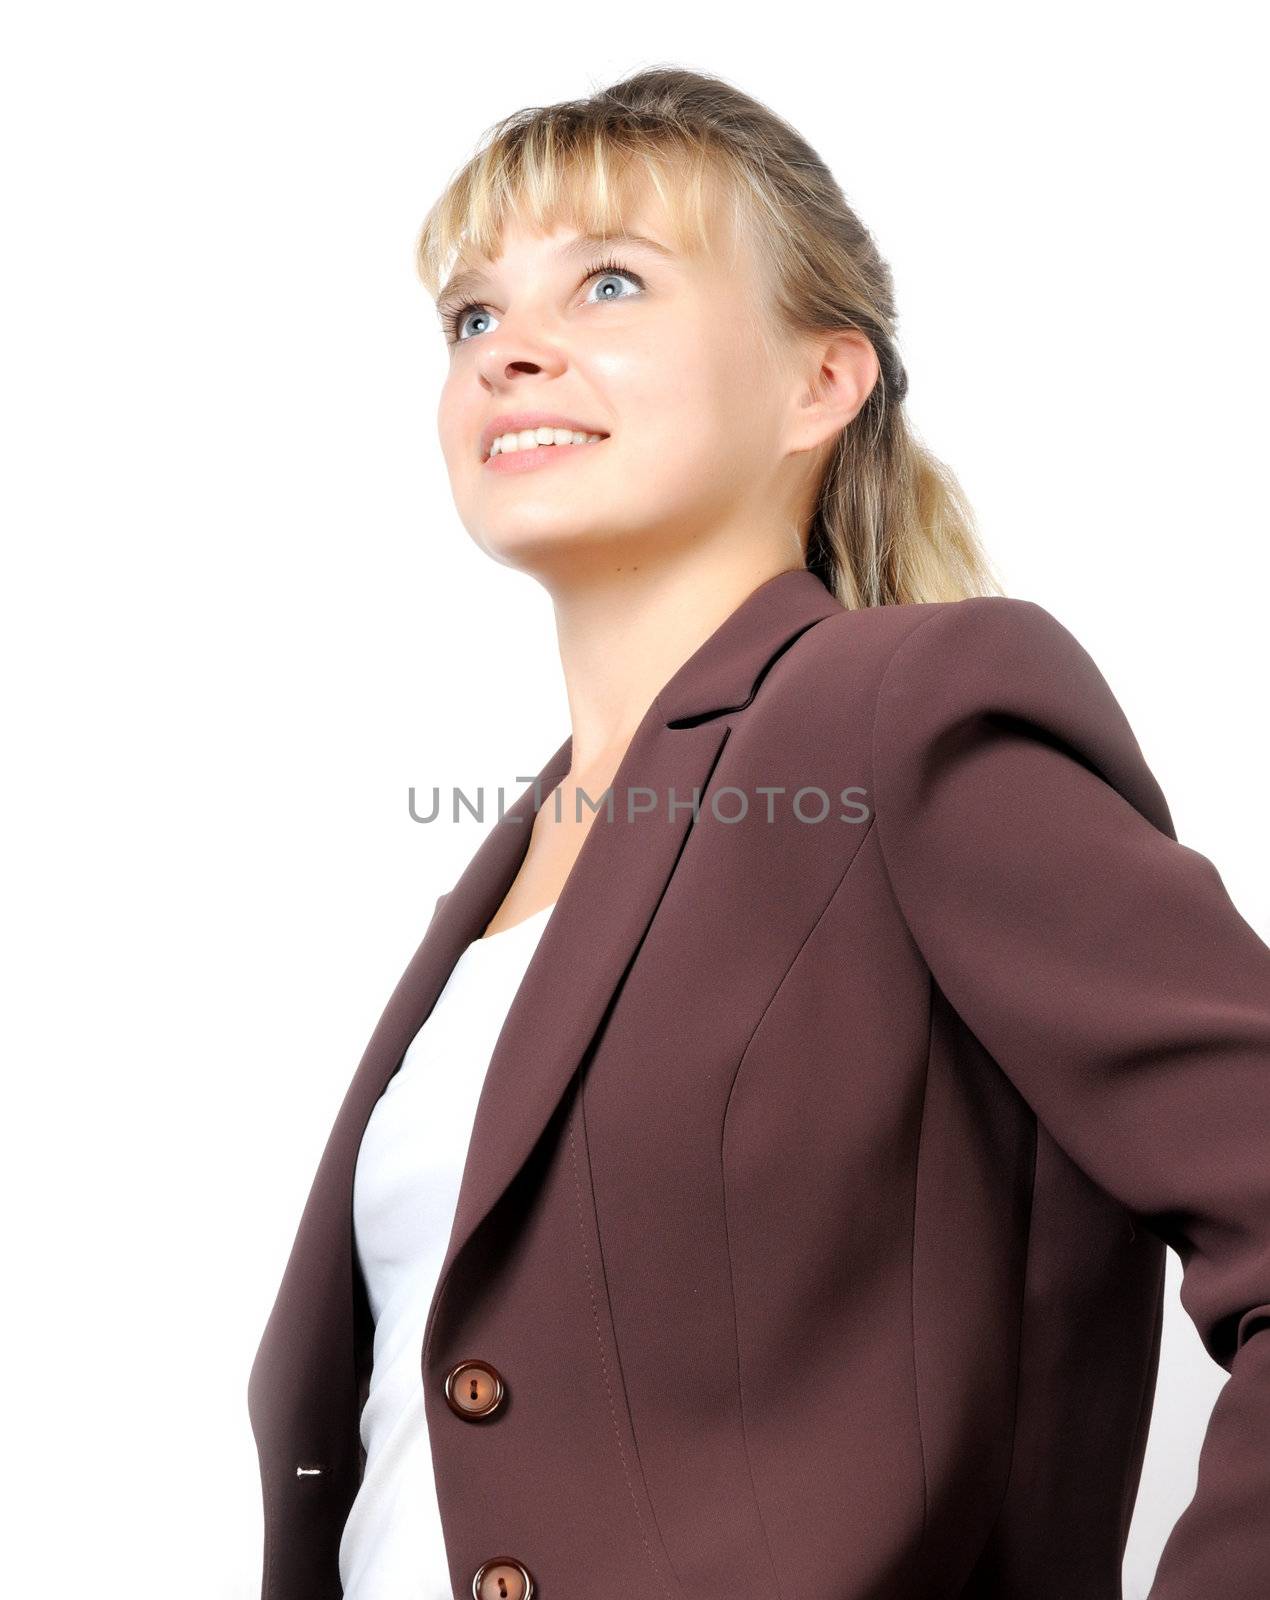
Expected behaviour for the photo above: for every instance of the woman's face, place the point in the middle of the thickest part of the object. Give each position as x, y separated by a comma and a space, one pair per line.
657, 350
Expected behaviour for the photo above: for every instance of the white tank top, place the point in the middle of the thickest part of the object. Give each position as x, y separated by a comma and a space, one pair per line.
405, 1189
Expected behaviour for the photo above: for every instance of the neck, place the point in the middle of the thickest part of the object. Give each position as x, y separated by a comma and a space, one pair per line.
622, 635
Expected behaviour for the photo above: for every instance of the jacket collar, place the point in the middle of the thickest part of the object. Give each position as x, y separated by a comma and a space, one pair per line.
723, 674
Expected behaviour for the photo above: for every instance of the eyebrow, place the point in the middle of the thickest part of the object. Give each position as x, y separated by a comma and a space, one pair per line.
465, 282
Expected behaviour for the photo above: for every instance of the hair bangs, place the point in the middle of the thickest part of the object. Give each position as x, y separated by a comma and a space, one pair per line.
548, 174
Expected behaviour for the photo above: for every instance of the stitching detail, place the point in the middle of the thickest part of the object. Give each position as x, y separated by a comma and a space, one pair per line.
745, 1439
595, 1317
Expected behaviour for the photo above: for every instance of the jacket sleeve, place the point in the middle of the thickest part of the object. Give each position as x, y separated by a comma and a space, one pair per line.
1105, 969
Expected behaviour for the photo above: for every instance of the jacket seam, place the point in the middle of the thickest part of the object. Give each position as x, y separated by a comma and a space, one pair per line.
736, 1338
581, 1114
604, 1366
1019, 1340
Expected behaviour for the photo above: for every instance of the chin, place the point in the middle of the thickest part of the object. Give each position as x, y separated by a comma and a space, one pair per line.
539, 543
548, 524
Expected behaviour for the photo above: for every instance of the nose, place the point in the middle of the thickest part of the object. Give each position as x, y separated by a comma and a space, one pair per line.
518, 347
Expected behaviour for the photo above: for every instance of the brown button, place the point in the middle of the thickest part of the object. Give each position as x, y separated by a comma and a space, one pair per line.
474, 1390
503, 1578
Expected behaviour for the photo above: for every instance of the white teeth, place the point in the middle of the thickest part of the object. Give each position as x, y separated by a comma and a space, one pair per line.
531, 438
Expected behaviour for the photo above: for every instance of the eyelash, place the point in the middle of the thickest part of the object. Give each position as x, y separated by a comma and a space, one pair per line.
452, 315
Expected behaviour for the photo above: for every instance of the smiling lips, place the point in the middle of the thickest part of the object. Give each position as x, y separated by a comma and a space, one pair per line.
528, 430
531, 449
506, 444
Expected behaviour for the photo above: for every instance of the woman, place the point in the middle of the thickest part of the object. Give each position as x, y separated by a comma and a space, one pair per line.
834, 1089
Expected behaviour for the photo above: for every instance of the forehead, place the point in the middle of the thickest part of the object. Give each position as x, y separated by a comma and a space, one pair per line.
565, 245
640, 222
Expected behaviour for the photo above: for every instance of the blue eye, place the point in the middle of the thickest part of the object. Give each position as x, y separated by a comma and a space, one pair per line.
457, 321
454, 318
607, 273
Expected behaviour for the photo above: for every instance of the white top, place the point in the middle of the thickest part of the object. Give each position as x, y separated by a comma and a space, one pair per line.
405, 1190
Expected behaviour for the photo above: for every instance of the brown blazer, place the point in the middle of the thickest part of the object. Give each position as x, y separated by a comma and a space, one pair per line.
811, 1238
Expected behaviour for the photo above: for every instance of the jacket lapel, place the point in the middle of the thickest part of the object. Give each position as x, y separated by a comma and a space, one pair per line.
591, 938
611, 894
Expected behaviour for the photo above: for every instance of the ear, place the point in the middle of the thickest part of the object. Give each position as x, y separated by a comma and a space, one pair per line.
833, 378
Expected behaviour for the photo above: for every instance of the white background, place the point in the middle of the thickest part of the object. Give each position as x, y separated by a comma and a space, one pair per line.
240, 616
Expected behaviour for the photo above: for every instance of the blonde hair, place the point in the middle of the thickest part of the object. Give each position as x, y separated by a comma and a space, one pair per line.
891, 523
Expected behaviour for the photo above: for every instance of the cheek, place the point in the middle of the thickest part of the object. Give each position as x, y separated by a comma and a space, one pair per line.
457, 425
673, 402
